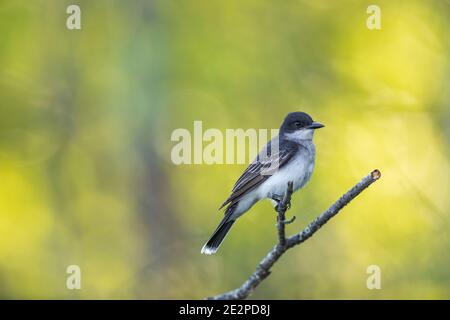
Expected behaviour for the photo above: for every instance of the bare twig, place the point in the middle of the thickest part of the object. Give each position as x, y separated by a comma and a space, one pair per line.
281, 209
263, 268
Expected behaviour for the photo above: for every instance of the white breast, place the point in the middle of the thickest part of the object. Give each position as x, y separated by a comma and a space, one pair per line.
298, 170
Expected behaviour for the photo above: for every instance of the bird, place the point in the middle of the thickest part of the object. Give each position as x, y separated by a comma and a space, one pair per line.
288, 157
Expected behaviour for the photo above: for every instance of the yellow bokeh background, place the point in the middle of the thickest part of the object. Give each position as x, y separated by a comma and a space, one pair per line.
86, 176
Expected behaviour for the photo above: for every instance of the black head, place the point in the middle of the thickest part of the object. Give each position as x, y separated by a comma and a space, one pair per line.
298, 121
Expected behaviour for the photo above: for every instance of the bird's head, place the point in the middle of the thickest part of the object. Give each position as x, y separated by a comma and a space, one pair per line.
298, 126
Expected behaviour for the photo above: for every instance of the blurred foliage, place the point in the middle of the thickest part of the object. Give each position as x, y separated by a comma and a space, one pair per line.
86, 117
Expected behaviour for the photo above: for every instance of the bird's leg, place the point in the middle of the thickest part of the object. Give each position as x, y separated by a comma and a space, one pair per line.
278, 199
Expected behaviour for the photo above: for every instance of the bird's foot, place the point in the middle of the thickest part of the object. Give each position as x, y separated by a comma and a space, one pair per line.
288, 205
278, 199
279, 207
275, 197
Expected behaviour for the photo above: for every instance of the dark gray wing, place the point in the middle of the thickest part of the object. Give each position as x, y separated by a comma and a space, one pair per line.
267, 163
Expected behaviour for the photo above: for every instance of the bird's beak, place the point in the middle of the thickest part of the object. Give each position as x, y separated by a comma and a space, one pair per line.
315, 125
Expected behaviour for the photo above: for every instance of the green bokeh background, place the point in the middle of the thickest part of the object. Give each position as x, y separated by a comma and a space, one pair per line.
86, 117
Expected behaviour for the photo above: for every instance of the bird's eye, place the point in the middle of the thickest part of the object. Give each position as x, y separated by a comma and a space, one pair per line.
298, 124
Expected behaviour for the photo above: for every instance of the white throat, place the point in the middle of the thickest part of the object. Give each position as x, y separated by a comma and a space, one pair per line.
300, 135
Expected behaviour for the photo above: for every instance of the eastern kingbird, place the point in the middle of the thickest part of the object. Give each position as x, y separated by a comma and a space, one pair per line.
288, 157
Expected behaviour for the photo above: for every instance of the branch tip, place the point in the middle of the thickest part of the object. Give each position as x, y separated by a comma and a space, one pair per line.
376, 174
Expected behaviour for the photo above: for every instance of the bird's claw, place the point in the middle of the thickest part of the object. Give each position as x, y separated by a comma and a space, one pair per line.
278, 207
278, 199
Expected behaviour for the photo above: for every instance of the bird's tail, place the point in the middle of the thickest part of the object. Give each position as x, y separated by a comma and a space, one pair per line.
216, 239
220, 233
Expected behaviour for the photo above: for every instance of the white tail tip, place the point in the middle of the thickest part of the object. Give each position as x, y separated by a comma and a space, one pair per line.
208, 250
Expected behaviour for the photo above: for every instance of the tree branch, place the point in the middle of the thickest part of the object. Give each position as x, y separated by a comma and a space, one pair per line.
284, 204
263, 268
